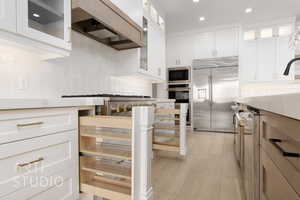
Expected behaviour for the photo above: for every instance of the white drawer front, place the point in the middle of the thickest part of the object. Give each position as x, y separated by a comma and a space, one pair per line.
66, 190
22, 124
56, 153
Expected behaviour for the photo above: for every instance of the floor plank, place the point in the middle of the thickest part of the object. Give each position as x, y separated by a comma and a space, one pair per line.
208, 172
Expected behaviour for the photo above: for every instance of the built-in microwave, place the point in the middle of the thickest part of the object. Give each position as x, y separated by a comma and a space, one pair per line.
179, 74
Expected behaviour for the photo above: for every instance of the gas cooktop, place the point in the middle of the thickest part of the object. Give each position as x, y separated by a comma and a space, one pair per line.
105, 95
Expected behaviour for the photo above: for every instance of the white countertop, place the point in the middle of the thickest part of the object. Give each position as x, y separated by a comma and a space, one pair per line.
8, 104
285, 104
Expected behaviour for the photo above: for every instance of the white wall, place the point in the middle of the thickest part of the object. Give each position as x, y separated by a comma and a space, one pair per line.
91, 68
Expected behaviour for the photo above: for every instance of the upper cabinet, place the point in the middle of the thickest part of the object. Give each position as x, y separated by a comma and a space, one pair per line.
183, 48
45, 21
227, 42
153, 55
179, 51
41, 26
156, 50
8, 15
265, 52
204, 45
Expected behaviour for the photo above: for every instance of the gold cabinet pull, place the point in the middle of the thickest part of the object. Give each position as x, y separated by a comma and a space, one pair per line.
30, 163
30, 124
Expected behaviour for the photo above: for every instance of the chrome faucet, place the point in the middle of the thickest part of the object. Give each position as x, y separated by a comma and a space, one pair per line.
288, 67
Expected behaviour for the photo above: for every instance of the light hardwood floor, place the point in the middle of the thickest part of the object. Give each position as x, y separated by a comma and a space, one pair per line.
209, 171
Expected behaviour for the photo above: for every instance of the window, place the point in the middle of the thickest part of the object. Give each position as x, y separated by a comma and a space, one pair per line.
249, 35
266, 33
285, 30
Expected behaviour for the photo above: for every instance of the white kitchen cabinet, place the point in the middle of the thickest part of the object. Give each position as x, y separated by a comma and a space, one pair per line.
204, 45
45, 21
265, 51
248, 61
8, 15
226, 42
39, 154
154, 56
27, 171
180, 51
162, 70
156, 50
284, 55
266, 59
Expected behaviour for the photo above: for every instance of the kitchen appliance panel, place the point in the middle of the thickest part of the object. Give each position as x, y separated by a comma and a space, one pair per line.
224, 90
202, 99
179, 75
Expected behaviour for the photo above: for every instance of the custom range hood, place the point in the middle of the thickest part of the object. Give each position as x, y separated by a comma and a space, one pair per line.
102, 21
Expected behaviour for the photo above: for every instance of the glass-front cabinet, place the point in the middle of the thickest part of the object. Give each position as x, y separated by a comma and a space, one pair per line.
48, 21
8, 15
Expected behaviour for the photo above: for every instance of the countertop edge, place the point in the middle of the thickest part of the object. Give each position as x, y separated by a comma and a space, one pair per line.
285, 105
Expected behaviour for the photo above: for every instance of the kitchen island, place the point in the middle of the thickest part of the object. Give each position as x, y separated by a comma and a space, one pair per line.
277, 142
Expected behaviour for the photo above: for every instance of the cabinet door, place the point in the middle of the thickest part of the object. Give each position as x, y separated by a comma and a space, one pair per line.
204, 45
180, 51
45, 21
266, 59
161, 71
8, 15
248, 61
153, 51
172, 52
227, 42
284, 55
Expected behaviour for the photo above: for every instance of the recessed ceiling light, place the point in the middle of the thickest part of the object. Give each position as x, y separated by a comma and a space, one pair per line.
248, 10
202, 18
36, 15
195, 1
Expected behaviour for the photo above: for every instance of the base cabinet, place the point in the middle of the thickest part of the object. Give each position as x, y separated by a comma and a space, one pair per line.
274, 186
43, 166
278, 150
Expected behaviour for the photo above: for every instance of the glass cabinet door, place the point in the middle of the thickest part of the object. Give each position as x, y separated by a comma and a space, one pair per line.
46, 20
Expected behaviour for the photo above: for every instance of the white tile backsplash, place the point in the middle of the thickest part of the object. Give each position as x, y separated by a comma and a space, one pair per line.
91, 68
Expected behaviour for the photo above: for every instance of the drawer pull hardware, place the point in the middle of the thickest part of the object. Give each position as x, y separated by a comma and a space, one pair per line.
284, 153
30, 163
30, 124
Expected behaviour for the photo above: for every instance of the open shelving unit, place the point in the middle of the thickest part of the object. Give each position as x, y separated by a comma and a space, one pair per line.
170, 129
112, 151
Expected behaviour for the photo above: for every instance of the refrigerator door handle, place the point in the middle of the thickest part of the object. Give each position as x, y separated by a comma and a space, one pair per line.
210, 91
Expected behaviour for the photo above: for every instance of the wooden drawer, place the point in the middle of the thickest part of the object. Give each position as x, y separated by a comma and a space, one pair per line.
280, 139
22, 124
24, 161
273, 184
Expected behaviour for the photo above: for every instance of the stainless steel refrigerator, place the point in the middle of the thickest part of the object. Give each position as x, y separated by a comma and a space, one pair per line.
215, 88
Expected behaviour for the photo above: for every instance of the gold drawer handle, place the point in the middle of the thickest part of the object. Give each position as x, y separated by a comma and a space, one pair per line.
30, 163
30, 124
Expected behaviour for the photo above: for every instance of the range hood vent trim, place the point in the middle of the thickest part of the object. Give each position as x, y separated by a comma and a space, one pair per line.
89, 17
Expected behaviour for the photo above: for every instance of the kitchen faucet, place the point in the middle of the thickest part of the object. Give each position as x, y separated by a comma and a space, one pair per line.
288, 67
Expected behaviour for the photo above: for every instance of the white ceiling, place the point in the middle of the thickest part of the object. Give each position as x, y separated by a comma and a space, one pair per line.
182, 15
